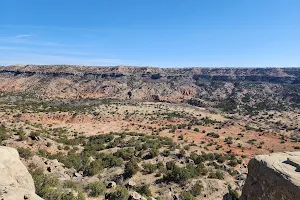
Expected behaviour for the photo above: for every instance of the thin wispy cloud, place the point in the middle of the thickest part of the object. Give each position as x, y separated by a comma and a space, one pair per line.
54, 50
24, 39
24, 35
53, 28
54, 59
40, 45
79, 29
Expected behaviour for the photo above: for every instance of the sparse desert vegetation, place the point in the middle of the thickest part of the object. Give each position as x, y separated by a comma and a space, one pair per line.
90, 146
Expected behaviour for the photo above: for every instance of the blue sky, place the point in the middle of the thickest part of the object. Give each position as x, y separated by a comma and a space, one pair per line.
161, 33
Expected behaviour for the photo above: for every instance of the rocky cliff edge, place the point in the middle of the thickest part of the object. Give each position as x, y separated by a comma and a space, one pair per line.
273, 177
16, 182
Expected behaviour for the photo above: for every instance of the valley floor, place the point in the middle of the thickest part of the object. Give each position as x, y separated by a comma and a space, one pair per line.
155, 149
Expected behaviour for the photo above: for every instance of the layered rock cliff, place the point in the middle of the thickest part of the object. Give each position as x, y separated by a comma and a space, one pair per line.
16, 182
232, 89
273, 177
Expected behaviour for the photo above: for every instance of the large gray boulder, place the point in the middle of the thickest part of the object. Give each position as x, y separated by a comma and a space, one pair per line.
273, 177
15, 180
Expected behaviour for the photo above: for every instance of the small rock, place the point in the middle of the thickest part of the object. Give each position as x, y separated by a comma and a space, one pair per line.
77, 174
111, 184
242, 177
131, 183
135, 196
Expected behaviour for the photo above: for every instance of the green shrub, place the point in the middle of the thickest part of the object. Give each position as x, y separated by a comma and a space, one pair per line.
144, 190
213, 134
221, 159
186, 196
109, 160
196, 189
182, 152
66, 148
152, 154
71, 184
216, 175
149, 168
228, 140
3, 133
131, 168
80, 196
177, 174
24, 153
233, 163
22, 135
45, 186
126, 154
49, 144
120, 193
77, 161
187, 147
234, 195
94, 168
166, 153
170, 165
54, 193
196, 129
96, 189
220, 175
228, 105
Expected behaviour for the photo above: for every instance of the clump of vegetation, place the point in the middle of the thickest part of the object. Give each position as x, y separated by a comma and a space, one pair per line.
180, 137
144, 190
186, 196
120, 193
22, 135
182, 174
149, 168
228, 105
94, 168
196, 189
34, 135
96, 189
131, 168
213, 134
216, 175
234, 195
228, 140
49, 188
24, 153
3, 133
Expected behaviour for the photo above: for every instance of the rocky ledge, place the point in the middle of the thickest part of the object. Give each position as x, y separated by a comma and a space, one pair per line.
16, 182
273, 177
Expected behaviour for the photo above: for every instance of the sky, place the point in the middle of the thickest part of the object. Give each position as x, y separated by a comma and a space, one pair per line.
159, 33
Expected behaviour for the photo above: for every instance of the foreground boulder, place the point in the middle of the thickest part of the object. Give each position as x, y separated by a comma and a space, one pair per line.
16, 182
273, 177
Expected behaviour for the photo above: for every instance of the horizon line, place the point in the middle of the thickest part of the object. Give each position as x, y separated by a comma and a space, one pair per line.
148, 66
